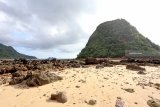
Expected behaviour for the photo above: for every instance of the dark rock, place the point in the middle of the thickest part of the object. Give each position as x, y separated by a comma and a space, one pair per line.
155, 85
77, 86
135, 67
135, 103
91, 102
2, 71
99, 66
16, 74
154, 103
89, 61
59, 97
129, 90
16, 80
141, 72
82, 81
75, 65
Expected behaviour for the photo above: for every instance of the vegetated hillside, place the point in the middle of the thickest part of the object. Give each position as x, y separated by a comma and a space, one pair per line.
8, 52
113, 38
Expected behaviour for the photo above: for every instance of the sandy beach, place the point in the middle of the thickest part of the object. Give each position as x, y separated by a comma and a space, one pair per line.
83, 84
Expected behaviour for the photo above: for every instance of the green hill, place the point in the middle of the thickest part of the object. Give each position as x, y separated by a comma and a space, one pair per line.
8, 52
113, 38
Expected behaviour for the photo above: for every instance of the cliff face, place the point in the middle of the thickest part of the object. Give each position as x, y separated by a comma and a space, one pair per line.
8, 52
112, 38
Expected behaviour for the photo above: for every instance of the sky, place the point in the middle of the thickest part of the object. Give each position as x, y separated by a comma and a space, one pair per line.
61, 28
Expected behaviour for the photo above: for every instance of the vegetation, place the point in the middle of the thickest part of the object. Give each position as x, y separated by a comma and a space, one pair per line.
112, 38
8, 52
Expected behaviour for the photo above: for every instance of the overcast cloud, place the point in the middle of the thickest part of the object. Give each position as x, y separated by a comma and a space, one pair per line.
43, 24
61, 28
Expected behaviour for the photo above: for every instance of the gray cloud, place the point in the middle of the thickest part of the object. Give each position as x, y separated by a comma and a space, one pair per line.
45, 24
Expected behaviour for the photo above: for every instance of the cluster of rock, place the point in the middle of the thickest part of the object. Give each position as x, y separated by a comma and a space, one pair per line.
18, 70
32, 72
142, 61
36, 78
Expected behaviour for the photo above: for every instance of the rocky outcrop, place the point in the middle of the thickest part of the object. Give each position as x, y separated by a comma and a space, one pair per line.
41, 78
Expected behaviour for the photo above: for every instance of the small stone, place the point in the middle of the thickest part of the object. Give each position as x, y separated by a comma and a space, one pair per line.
77, 86
59, 97
135, 103
141, 72
91, 102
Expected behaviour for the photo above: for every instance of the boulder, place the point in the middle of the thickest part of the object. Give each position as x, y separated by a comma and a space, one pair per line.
42, 78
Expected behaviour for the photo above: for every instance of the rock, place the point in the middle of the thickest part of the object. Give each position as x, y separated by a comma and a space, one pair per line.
129, 90
16, 80
89, 61
99, 66
82, 81
141, 72
1, 71
8, 70
135, 67
42, 78
135, 103
1, 82
119, 102
16, 74
75, 65
153, 103
77, 86
59, 97
155, 85
91, 102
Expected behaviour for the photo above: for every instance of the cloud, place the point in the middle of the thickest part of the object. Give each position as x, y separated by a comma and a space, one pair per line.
43, 24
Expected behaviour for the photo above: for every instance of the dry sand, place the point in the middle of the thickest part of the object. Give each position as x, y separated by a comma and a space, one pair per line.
103, 85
